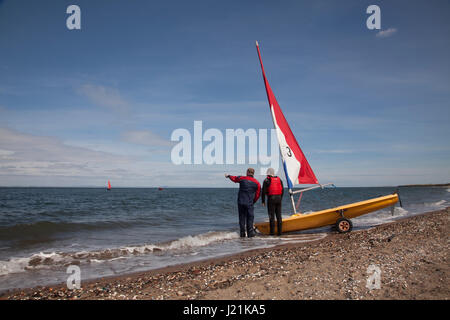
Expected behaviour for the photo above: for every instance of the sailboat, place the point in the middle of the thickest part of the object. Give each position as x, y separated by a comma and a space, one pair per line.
298, 171
109, 186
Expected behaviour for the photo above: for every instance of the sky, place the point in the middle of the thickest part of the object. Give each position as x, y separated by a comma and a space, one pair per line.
79, 107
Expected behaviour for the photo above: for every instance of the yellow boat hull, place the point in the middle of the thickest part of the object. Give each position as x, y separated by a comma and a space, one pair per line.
322, 218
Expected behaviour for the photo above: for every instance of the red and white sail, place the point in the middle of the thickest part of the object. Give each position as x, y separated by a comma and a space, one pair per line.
296, 167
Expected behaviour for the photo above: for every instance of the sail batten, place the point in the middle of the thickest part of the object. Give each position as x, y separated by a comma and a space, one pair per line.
296, 167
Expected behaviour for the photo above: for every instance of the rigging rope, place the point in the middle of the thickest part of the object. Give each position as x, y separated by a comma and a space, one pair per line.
297, 206
298, 202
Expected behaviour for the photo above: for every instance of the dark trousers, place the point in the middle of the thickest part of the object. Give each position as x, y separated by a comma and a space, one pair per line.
246, 218
274, 209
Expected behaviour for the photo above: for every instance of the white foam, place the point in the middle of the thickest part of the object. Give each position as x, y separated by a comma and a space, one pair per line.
201, 240
382, 216
14, 265
96, 261
301, 237
38, 260
438, 203
44, 255
140, 249
399, 211
46, 260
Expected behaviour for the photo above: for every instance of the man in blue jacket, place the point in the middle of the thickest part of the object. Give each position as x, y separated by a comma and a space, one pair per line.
249, 191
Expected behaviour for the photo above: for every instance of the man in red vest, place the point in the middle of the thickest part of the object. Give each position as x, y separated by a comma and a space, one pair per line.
273, 188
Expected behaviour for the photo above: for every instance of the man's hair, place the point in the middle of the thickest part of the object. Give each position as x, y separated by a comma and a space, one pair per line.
250, 171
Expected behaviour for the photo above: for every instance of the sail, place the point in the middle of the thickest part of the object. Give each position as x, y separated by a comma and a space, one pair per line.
109, 185
296, 167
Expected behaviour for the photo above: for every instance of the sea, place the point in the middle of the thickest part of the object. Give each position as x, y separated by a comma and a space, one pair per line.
44, 231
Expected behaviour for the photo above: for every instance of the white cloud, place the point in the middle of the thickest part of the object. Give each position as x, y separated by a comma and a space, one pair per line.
146, 138
105, 97
334, 151
6, 154
386, 33
30, 160
37, 155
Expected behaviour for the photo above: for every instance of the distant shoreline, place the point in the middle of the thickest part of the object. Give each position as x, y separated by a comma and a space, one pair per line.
425, 185
229, 187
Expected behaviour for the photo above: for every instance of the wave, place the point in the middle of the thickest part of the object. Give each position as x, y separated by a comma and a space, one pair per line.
440, 203
386, 215
58, 259
17, 265
200, 240
46, 228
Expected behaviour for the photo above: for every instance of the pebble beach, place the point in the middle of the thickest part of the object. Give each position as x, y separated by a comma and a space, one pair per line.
409, 256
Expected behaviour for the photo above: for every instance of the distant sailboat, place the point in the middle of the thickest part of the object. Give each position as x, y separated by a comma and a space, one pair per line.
109, 186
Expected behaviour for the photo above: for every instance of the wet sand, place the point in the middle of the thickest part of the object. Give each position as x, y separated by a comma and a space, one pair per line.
410, 257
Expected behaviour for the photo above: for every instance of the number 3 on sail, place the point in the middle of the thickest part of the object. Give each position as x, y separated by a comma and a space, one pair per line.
289, 153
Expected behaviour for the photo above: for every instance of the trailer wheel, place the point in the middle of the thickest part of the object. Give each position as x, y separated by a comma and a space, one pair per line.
344, 225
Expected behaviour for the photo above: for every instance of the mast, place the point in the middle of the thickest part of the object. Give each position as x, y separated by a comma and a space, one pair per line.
296, 168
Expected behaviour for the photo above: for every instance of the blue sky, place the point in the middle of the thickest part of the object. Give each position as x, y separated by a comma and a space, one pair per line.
78, 107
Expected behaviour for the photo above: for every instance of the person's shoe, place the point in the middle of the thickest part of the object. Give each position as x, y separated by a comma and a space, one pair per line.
251, 234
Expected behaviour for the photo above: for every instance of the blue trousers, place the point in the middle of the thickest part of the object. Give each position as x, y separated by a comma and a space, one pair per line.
246, 218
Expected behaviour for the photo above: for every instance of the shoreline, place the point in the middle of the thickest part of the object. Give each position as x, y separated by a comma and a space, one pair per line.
411, 254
